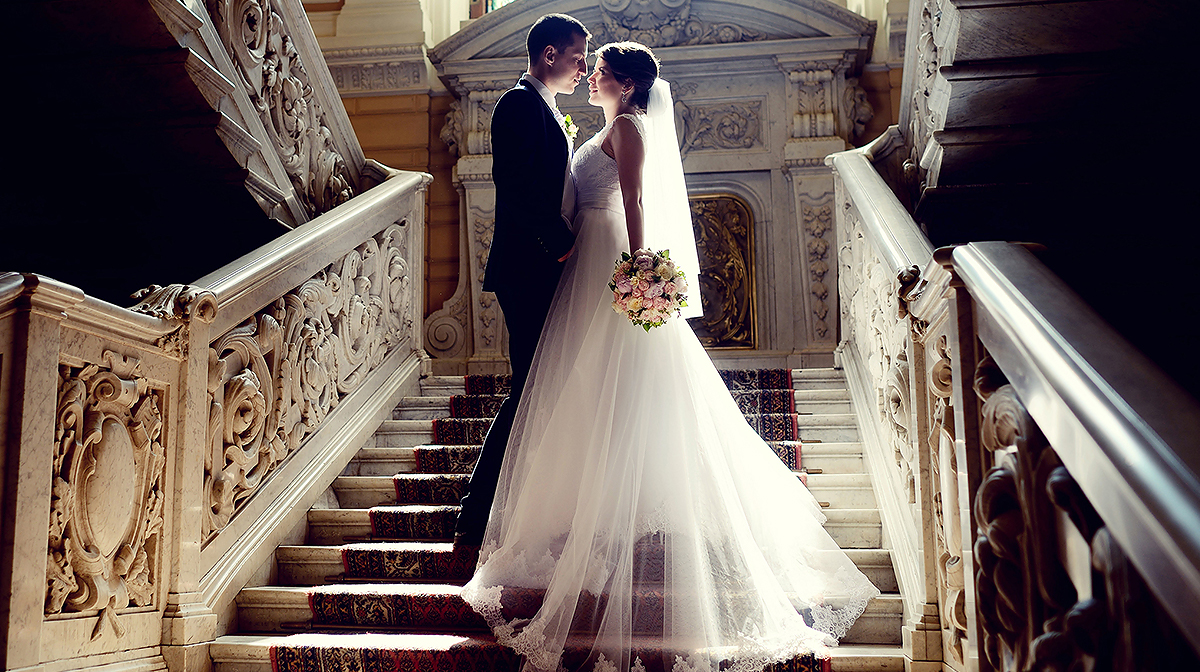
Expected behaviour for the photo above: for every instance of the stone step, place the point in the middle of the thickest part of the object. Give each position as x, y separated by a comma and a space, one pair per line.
381, 462
815, 408
854, 528
829, 457
357, 492
843, 491
279, 609
818, 379
827, 429
422, 408
834, 458
443, 386
402, 434
857, 531
252, 653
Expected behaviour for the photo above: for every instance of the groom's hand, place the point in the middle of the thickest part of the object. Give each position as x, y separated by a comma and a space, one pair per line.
568, 254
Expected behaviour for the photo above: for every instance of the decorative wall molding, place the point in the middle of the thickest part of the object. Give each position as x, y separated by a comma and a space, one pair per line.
379, 70
275, 378
719, 125
665, 23
106, 510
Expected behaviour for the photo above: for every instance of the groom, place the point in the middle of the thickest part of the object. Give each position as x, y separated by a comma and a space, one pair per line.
534, 203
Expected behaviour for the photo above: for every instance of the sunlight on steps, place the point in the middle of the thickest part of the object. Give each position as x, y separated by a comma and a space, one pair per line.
385, 579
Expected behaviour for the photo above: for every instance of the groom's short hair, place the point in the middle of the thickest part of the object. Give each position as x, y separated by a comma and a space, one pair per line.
557, 30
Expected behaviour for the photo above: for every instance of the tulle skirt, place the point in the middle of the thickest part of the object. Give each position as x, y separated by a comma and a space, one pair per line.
639, 522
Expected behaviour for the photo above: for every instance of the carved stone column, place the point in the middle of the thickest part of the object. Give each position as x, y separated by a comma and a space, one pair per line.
822, 119
188, 624
29, 343
487, 322
812, 196
467, 334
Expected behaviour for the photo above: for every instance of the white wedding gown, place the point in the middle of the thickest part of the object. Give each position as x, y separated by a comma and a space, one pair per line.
639, 521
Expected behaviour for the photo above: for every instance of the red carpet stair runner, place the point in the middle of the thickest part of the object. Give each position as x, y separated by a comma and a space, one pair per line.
377, 589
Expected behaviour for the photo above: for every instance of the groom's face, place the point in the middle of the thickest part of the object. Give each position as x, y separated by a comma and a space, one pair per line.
567, 67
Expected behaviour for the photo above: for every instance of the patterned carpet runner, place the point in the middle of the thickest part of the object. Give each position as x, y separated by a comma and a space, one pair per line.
408, 579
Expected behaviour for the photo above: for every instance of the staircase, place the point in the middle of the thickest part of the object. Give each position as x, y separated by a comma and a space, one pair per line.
376, 587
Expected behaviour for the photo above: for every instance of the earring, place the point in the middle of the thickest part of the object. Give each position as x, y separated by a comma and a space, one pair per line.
623, 95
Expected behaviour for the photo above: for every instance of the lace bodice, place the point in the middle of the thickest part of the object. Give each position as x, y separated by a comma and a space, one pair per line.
595, 172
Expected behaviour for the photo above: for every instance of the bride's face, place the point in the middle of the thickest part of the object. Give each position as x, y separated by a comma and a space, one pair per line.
603, 87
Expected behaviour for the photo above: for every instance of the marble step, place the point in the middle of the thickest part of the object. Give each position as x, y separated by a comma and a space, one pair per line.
354, 492
252, 653
364, 491
828, 428
287, 609
843, 491
402, 434
443, 386
375, 461
833, 458
422, 408
818, 379
857, 530
807, 401
850, 527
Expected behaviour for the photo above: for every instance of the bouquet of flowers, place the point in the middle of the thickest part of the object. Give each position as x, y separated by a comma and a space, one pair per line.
647, 288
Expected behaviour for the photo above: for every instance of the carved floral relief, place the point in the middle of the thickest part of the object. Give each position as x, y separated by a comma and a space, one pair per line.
106, 510
276, 377
718, 126
665, 23
278, 84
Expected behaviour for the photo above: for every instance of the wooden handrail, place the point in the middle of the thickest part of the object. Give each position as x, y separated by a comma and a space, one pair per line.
1128, 434
904, 248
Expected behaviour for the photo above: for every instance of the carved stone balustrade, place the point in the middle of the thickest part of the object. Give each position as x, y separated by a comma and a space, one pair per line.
1037, 476
261, 69
167, 447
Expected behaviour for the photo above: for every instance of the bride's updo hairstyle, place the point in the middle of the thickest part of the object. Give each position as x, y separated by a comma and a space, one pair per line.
634, 63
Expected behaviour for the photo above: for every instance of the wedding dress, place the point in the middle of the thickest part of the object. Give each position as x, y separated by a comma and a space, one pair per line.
639, 522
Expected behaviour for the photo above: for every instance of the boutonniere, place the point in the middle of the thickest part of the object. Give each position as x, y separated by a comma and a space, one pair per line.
570, 127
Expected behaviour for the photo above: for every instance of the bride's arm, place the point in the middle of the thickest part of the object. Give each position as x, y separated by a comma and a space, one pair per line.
630, 153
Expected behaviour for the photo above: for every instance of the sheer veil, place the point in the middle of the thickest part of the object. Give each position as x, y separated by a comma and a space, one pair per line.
664, 194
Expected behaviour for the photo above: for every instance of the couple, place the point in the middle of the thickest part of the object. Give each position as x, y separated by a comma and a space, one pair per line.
637, 521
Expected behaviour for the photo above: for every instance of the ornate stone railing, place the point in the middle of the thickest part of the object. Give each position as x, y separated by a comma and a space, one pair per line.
169, 447
259, 66
1037, 477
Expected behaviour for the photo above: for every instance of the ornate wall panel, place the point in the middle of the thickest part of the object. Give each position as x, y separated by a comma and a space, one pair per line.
724, 227
275, 378
106, 510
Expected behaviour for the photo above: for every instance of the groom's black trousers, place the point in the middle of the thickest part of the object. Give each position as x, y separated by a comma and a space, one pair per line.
524, 314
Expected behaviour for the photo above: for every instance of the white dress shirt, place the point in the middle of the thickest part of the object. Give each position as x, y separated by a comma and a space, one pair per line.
568, 201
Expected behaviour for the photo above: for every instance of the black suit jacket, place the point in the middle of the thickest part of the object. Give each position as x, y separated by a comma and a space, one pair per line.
529, 164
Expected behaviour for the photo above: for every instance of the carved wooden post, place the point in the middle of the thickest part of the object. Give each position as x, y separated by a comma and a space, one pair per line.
964, 348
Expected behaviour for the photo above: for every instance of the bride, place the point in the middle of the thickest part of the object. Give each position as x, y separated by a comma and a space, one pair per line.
639, 522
